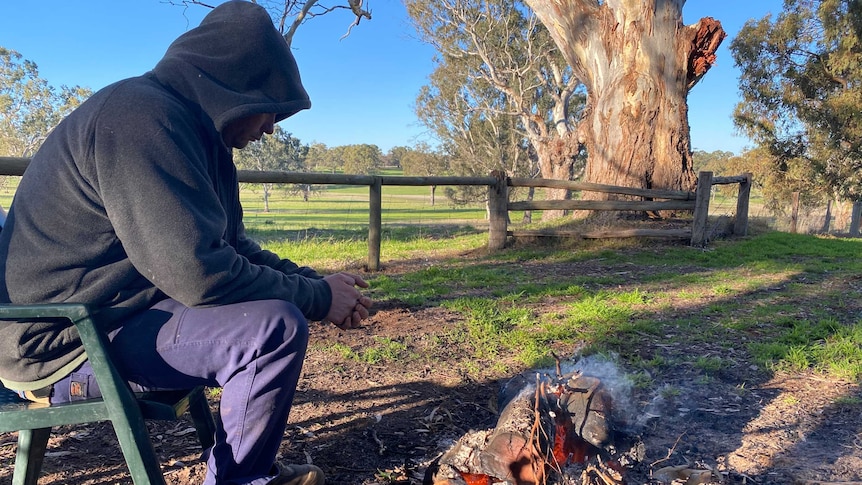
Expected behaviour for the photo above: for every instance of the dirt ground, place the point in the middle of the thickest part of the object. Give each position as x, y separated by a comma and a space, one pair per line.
367, 424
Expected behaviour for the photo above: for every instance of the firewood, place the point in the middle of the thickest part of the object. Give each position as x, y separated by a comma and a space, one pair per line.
588, 405
505, 453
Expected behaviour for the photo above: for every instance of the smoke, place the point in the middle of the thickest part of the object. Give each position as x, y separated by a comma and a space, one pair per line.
627, 414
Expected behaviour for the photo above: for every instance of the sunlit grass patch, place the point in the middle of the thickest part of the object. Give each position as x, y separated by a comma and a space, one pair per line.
383, 350
826, 347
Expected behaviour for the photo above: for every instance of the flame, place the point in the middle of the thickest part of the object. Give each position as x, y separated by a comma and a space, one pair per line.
568, 446
475, 478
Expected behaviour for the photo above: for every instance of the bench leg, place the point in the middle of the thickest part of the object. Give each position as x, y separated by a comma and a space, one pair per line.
32, 444
199, 408
138, 450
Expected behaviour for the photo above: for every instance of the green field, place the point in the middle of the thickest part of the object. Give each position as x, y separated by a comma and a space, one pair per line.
334, 207
341, 207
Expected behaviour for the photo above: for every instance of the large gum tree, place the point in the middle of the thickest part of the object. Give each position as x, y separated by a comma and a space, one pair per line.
638, 62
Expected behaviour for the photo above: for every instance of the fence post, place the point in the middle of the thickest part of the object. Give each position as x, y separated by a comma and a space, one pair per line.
498, 211
701, 209
375, 209
740, 225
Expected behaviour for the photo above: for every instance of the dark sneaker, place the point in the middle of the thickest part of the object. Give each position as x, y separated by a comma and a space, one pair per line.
298, 475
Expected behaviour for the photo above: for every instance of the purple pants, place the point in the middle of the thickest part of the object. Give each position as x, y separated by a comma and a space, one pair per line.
253, 351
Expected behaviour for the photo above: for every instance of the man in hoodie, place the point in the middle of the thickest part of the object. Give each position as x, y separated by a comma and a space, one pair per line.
132, 206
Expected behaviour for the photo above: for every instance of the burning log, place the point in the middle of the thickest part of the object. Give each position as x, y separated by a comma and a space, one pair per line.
509, 452
542, 427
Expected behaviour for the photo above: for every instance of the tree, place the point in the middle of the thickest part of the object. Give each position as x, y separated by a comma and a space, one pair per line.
361, 159
801, 87
423, 162
279, 151
715, 161
475, 141
321, 159
778, 181
29, 107
499, 80
394, 155
638, 63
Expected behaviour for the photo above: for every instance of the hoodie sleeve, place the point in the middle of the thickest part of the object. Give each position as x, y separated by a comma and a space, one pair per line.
154, 179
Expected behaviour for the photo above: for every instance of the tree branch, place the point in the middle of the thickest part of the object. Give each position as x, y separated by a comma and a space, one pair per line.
297, 21
356, 8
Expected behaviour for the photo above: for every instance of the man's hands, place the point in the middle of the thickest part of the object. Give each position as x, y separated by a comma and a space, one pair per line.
349, 306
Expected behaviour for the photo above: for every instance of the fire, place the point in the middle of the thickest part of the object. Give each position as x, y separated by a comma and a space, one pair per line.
476, 479
568, 447
543, 427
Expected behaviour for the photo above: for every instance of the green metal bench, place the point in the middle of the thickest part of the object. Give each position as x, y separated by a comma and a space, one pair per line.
124, 409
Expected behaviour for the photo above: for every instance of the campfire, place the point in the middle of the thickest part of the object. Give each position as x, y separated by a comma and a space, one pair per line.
559, 428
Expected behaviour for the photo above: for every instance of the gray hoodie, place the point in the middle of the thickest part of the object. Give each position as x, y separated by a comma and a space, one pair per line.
134, 198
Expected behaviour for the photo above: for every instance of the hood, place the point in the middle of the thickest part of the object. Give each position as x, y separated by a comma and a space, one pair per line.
233, 65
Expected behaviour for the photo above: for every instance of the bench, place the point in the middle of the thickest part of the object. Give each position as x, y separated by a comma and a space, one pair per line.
126, 410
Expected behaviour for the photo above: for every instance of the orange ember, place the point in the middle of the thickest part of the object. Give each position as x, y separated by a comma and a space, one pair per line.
568, 446
475, 478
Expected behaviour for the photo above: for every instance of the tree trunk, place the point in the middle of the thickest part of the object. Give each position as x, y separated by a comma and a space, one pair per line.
827, 220
528, 215
557, 161
855, 217
794, 212
638, 62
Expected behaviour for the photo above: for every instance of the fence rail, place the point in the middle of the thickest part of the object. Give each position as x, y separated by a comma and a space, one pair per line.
499, 205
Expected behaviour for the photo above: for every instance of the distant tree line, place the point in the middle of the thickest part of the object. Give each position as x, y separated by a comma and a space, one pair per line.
284, 152
29, 106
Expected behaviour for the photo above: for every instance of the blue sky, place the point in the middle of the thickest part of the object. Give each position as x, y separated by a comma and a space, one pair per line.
362, 87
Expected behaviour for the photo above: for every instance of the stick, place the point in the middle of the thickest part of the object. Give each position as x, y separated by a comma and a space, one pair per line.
669, 452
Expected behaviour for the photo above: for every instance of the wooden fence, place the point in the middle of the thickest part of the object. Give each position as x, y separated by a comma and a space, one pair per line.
499, 204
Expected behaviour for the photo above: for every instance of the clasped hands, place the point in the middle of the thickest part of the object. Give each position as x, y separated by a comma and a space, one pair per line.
349, 307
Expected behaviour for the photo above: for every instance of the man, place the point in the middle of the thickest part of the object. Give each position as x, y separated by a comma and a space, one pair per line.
132, 206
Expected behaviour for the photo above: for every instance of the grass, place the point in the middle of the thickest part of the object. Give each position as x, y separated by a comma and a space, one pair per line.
778, 297
383, 351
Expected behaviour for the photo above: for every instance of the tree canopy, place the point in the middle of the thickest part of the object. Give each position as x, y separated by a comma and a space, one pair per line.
501, 97
801, 87
29, 106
